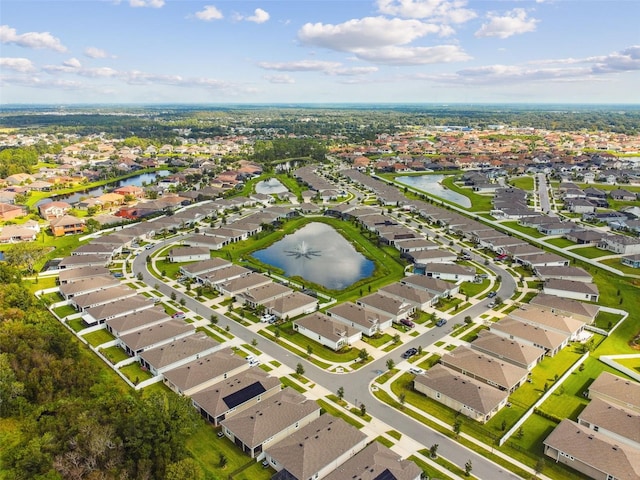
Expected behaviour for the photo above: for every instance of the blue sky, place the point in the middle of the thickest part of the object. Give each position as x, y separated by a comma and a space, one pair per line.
329, 51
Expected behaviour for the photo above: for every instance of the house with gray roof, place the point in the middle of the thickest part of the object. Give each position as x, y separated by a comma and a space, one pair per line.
188, 254
540, 317
102, 313
88, 285
484, 368
585, 312
172, 330
327, 331
241, 284
592, 453
369, 322
210, 240
78, 274
451, 272
79, 261
216, 277
235, 394
262, 294
171, 355
411, 245
85, 301
291, 305
135, 321
397, 309
420, 299
545, 259
551, 340
621, 424
570, 289
204, 372
269, 421
438, 288
315, 450
616, 390
424, 257
376, 462
621, 244
512, 351
472, 398
575, 274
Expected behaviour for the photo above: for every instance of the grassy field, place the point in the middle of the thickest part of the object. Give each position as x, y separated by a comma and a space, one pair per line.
591, 252
98, 337
532, 232
560, 242
524, 182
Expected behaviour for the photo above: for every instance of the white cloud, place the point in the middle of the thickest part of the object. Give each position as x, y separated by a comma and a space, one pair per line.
22, 65
446, 11
300, 66
511, 23
146, 3
279, 78
93, 52
367, 33
328, 68
259, 16
39, 40
72, 62
414, 55
209, 13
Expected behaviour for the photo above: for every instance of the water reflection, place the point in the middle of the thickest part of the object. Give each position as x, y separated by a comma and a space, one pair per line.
431, 184
270, 186
322, 256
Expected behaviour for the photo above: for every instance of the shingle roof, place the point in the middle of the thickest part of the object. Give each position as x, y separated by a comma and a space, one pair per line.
358, 314
205, 368
137, 319
479, 396
271, 416
326, 326
315, 446
617, 388
168, 354
540, 336
595, 449
372, 462
510, 350
613, 418
154, 334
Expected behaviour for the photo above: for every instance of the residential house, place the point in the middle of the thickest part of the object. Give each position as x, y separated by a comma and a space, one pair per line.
451, 272
316, 449
235, 394
152, 336
616, 390
222, 275
484, 368
422, 258
80, 261
472, 398
570, 289
540, 317
88, 285
9, 212
632, 261
17, 233
327, 331
243, 283
135, 321
78, 274
210, 241
204, 372
397, 309
189, 254
376, 462
621, 244
262, 294
623, 195
594, 454
420, 299
194, 270
619, 423
270, 421
411, 245
512, 351
585, 237
585, 312
67, 225
369, 322
575, 274
438, 288
55, 209
85, 301
291, 305
172, 355
550, 340
101, 313
542, 260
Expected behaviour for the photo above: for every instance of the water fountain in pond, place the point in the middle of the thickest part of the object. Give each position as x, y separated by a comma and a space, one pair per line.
303, 251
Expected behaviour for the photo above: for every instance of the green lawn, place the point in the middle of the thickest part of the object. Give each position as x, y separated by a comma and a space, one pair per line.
98, 337
524, 182
114, 354
617, 264
591, 252
76, 324
135, 373
65, 311
472, 289
378, 340
428, 470
560, 242
336, 412
287, 382
607, 320
532, 232
384, 441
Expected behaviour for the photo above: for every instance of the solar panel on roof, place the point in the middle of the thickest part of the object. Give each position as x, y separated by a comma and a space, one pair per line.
244, 394
386, 475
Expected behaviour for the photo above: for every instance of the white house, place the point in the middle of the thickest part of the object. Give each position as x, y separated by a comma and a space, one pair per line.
327, 331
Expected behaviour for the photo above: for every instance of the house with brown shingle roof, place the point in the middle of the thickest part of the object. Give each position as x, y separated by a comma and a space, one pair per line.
397, 309
544, 318
262, 294
593, 453
613, 420
165, 357
484, 368
102, 313
67, 225
376, 462
551, 340
315, 450
204, 372
464, 394
88, 285
291, 305
616, 390
270, 421
517, 353
369, 322
135, 321
327, 331
421, 299
78, 274
570, 289
235, 394
151, 336
585, 312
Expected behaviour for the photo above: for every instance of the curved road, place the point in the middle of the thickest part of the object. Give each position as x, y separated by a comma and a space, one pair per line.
356, 384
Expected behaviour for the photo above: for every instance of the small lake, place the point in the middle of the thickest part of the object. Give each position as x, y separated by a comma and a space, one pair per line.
431, 184
319, 254
136, 181
271, 186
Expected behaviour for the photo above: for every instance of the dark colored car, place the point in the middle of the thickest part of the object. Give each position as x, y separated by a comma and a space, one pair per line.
410, 353
407, 323
491, 294
441, 322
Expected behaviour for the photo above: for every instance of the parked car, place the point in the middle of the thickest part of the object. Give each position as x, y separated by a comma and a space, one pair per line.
441, 322
407, 323
254, 363
491, 304
491, 294
118, 274
178, 315
410, 353
268, 318
416, 370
